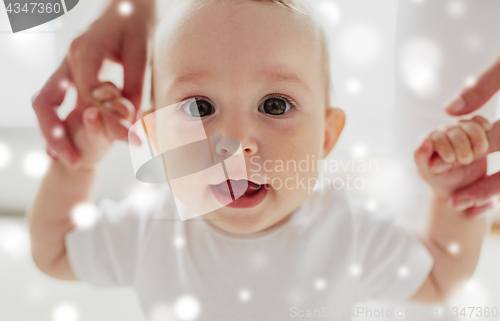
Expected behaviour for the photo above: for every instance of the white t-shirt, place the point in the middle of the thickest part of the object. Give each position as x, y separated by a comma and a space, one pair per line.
328, 256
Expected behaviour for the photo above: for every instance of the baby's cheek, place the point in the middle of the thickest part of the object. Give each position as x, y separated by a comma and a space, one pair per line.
295, 147
294, 176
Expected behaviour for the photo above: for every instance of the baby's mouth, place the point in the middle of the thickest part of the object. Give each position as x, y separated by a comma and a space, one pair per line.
236, 188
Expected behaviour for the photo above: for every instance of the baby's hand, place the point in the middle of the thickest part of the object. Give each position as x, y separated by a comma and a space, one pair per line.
453, 158
89, 128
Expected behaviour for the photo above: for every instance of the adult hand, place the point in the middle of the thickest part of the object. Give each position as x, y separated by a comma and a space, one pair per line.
475, 96
115, 36
485, 193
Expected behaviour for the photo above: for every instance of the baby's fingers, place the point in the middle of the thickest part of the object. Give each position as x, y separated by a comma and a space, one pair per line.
118, 128
92, 123
476, 134
461, 144
121, 107
109, 98
422, 156
106, 91
443, 146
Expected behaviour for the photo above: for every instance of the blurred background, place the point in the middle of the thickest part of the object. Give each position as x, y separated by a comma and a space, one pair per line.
393, 63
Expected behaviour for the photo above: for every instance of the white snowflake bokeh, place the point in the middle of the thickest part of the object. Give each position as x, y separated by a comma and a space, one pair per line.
125, 8
65, 312
403, 272
421, 63
320, 284
187, 307
35, 164
58, 132
85, 215
245, 295
355, 270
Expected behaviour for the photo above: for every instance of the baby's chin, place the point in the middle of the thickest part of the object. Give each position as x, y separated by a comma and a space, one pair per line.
244, 221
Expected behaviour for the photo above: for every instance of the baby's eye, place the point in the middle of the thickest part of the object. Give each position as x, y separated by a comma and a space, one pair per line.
199, 108
275, 106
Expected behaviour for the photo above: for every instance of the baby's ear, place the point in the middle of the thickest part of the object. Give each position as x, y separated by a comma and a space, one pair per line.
334, 124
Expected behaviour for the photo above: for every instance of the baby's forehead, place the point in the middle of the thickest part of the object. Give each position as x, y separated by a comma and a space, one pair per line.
239, 36
240, 18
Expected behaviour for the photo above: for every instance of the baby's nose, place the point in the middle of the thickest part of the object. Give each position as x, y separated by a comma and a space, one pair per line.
227, 146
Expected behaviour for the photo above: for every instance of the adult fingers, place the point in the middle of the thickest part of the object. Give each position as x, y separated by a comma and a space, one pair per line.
479, 192
475, 96
51, 152
45, 104
475, 211
134, 59
85, 63
494, 138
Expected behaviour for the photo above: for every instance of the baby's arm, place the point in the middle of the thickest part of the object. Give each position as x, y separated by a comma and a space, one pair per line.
452, 238
63, 188
50, 216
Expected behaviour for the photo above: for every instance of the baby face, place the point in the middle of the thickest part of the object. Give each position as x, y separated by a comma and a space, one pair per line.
255, 70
